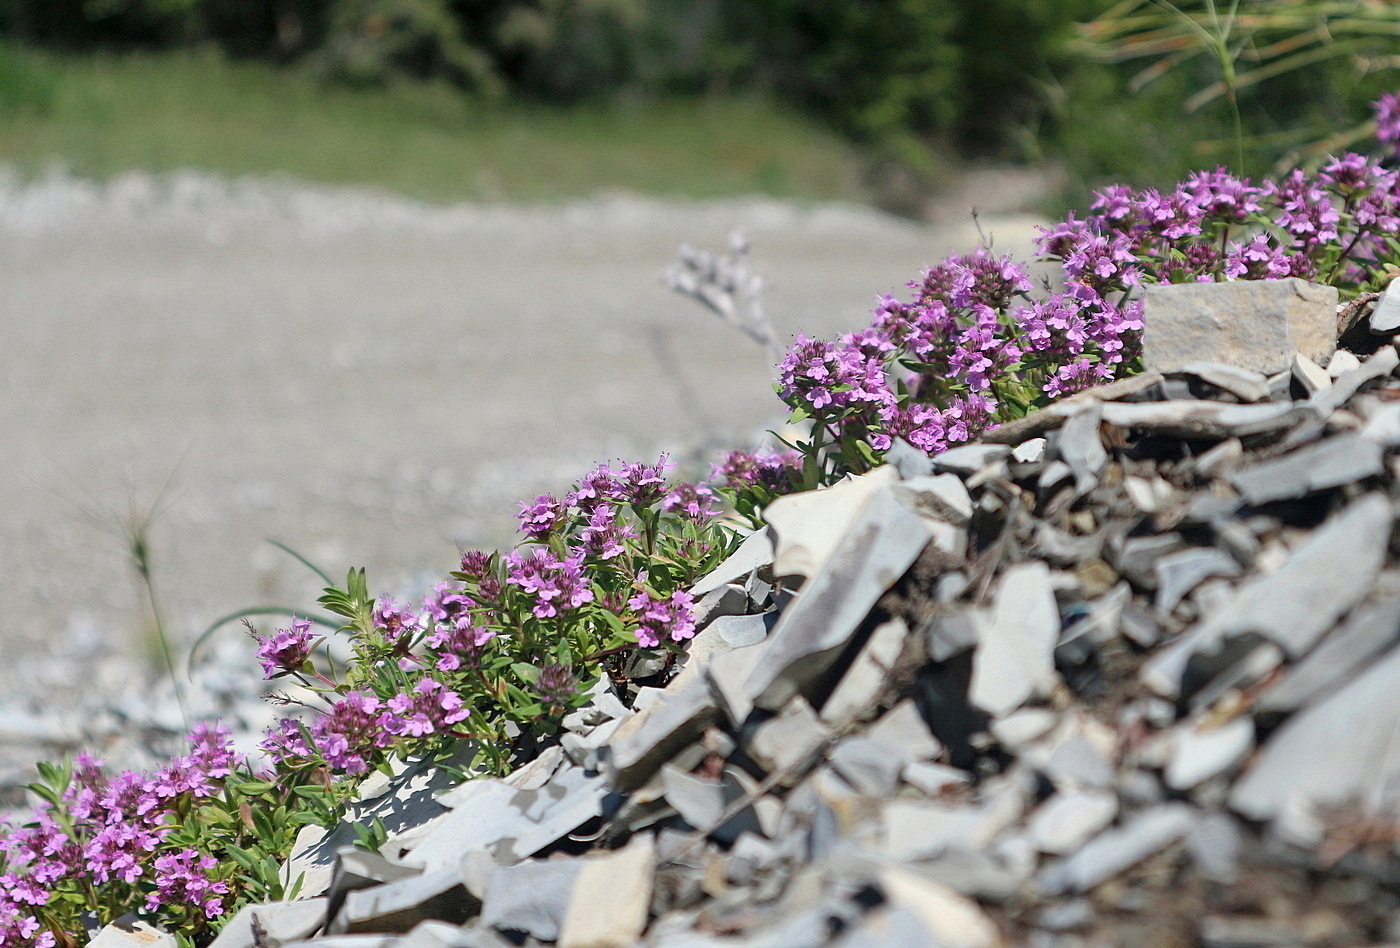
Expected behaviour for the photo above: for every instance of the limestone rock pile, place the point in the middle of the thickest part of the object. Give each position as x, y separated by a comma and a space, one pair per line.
1124, 673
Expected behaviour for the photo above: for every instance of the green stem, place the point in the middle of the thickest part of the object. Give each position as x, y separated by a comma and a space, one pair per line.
143, 567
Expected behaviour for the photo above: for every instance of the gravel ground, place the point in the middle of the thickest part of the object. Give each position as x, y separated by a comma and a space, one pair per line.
372, 381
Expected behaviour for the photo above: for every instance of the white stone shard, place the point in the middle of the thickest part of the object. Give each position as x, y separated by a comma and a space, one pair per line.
1014, 659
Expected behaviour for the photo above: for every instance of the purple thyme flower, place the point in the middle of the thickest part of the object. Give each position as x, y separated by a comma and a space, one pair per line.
428, 709
286, 743
774, 472
1077, 376
557, 684
351, 731
1387, 109
479, 568
671, 617
542, 517
694, 502
1257, 259
287, 650
600, 486
446, 603
1305, 209
606, 535
1223, 197
554, 583
645, 484
396, 622
184, 878
460, 644
1059, 241
19, 922
921, 424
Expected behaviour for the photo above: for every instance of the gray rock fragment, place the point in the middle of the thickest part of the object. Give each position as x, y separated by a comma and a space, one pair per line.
908, 460
790, 742
881, 543
1067, 820
1221, 459
611, 898
699, 802
653, 736
903, 731
1079, 446
1014, 659
1115, 850
399, 906
431, 934
932, 779
1214, 845
1065, 916
1179, 573
1029, 452
511, 823
1371, 629
1333, 754
1342, 459
1137, 557
941, 497
953, 920
375, 940
1202, 753
408, 804
279, 921
1385, 318
867, 675
1327, 575
727, 600
1311, 377
1381, 363
739, 631
1252, 324
131, 932
531, 897
1195, 419
1383, 425
969, 459
808, 527
868, 765
1341, 363
1245, 384
1049, 419
726, 674
888, 928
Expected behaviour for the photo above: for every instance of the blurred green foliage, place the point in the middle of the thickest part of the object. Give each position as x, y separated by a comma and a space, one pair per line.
906, 79
875, 69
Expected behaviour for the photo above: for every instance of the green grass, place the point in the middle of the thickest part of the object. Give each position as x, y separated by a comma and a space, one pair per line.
99, 116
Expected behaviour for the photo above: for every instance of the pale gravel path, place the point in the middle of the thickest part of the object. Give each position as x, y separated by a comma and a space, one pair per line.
372, 381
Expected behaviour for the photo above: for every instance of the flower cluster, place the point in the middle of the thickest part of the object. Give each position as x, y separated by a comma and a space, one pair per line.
969, 347
664, 617
1387, 109
973, 347
116, 831
287, 650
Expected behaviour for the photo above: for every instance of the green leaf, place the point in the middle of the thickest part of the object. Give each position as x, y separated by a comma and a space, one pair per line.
530, 674
255, 787
241, 856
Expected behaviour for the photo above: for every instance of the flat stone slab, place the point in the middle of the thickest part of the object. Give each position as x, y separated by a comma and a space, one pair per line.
1250, 324
807, 527
1015, 656
1342, 459
873, 553
1330, 755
